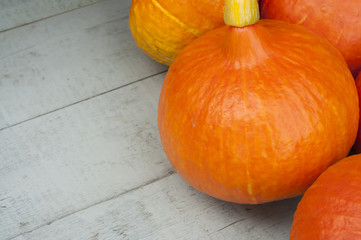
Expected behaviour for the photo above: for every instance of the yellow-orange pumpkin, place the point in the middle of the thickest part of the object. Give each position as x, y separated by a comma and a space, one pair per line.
339, 21
162, 28
256, 113
331, 207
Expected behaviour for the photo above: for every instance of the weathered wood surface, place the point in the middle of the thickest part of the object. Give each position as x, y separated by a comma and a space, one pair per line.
80, 155
171, 209
14, 13
62, 60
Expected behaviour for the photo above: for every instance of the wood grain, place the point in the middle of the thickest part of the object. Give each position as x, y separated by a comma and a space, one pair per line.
79, 156
171, 209
14, 13
68, 58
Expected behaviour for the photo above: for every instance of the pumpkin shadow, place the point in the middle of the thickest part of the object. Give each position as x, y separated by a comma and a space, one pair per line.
218, 219
276, 209
263, 221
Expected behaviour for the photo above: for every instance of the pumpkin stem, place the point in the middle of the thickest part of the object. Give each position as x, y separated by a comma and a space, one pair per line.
241, 13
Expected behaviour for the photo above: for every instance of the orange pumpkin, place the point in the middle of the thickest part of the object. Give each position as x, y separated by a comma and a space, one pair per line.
357, 146
331, 207
338, 21
256, 113
162, 28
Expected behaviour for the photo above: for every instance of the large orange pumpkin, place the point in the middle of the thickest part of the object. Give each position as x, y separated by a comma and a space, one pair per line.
331, 207
256, 113
357, 146
162, 28
339, 21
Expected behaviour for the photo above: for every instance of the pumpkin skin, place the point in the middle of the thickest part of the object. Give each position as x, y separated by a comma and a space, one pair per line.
331, 207
162, 28
256, 114
338, 21
357, 146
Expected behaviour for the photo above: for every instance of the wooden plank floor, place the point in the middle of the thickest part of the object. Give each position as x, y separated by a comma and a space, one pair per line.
14, 13
80, 155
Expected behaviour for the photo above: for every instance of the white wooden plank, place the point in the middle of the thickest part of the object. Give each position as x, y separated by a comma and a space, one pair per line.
78, 156
171, 209
61, 60
15, 13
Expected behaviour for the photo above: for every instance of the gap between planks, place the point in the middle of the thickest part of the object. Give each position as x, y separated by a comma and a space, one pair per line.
83, 100
54, 15
170, 173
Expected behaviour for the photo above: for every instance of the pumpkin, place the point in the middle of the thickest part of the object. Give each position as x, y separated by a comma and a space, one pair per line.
338, 21
162, 28
331, 207
357, 146
255, 111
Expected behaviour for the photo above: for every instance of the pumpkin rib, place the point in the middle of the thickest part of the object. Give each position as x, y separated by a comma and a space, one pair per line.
287, 87
334, 96
285, 83
162, 28
264, 115
222, 83
206, 101
247, 141
294, 101
145, 35
206, 116
160, 56
195, 32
